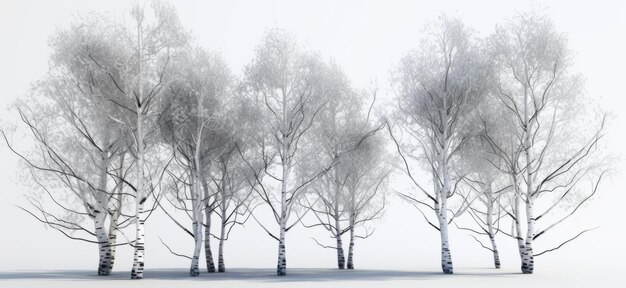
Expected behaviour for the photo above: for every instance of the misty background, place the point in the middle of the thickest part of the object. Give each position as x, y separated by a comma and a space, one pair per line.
366, 39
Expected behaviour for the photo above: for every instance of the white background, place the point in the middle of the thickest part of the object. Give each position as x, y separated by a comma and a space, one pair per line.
366, 38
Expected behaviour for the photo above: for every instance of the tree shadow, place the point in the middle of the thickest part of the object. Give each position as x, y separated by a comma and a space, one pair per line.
254, 275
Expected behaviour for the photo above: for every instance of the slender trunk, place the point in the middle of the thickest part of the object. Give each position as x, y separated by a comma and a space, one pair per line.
104, 263
196, 204
224, 190
490, 230
527, 254
341, 260
496, 255
281, 267
351, 248
113, 236
210, 266
518, 215
221, 267
446, 256
100, 213
138, 257
113, 224
528, 262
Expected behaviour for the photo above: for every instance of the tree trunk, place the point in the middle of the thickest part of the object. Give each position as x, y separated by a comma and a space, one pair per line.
446, 256
194, 270
281, 267
100, 213
341, 260
210, 265
527, 254
141, 195
138, 259
196, 207
221, 267
528, 262
351, 248
104, 263
113, 236
490, 231
496, 255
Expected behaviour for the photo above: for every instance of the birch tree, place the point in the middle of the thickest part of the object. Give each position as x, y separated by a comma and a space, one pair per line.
282, 80
548, 158
138, 72
235, 196
335, 125
343, 127
367, 169
195, 125
82, 154
78, 185
488, 186
437, 87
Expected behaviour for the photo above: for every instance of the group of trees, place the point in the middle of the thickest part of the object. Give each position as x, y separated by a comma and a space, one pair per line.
497, 122
135, 118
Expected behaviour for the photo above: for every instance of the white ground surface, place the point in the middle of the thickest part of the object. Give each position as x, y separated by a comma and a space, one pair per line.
310, 277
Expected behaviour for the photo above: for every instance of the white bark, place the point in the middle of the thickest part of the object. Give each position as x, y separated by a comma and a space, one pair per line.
210, 265
221, 266
138, 260
341, 260
350, 264
281, 267
490, 229
196, 204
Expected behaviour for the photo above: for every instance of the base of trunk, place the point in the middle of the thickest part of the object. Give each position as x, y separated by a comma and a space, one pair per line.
137, 271
526, 270
135, 275
104, 270
194, 271
281, 272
